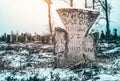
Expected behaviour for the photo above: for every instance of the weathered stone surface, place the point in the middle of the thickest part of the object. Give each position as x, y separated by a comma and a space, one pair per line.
76, 43
61, 48
61, 42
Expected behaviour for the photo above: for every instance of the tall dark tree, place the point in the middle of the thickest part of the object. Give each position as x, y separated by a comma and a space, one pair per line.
93, 4
107, 20
85, 3
0, 38
43, 39
115, 36
104, 4
102, 37
3, 38
69, 2
8, 38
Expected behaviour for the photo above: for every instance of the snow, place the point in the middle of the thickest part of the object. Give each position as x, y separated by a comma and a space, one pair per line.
14, 59
109, 71
42, 72
47, 46
3, 44
24, 52
112, 50
1, 52
106, 77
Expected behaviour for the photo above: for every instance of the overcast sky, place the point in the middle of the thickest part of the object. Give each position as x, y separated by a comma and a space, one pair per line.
31, 15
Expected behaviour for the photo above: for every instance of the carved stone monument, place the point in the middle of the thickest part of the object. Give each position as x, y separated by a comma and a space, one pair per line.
74, 44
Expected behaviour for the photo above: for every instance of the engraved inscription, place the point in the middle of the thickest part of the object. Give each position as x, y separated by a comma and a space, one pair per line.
77, 23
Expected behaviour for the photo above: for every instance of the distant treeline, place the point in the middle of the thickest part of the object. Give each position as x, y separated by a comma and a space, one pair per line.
26, 37
113, 37
48, 38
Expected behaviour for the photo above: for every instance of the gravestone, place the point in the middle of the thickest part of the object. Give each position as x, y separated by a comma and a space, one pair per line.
74, 44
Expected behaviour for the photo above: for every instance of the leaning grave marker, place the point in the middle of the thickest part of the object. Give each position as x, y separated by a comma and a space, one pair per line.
77, 42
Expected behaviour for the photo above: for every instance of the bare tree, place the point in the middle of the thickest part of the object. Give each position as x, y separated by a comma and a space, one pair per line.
49, 2
104, 4
106, 9
85, 3
93, 4
69, 2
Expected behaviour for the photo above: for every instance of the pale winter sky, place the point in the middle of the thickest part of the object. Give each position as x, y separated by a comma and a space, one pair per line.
31, 15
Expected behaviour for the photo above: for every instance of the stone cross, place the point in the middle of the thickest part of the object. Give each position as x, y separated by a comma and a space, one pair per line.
75, 44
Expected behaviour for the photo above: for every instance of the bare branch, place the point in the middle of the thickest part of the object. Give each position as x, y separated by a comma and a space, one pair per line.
66, 2
102, 4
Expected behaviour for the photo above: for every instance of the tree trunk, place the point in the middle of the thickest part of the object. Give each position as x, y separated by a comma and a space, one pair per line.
49, 16
107, 20
71, 3
85, 3
93, 4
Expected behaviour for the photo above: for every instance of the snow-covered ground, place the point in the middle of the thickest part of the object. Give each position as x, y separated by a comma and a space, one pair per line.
31, 62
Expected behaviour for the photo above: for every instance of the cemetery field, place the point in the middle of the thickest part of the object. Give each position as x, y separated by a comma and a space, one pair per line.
34, 62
